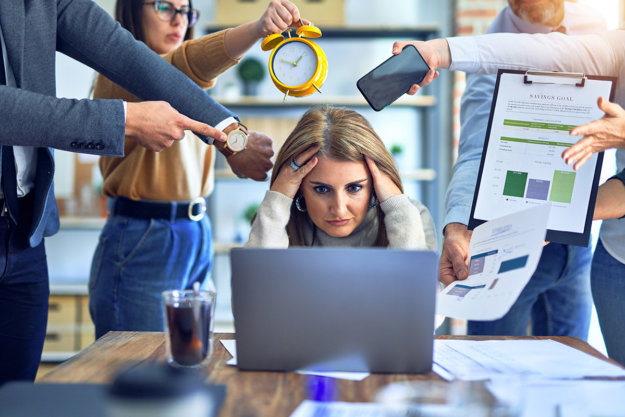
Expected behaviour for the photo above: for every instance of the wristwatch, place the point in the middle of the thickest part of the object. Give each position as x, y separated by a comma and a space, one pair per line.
236, 141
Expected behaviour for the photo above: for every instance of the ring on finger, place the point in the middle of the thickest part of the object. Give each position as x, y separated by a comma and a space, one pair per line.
294, 165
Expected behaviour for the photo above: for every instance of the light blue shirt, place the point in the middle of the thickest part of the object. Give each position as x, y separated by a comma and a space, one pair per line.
476, 103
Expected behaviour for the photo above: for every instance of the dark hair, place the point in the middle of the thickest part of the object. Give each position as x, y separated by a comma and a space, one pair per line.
128, 14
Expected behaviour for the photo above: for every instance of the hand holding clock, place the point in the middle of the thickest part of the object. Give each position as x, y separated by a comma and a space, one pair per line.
279, 15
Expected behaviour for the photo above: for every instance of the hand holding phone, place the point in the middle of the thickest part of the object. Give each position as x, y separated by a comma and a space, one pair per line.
393, 78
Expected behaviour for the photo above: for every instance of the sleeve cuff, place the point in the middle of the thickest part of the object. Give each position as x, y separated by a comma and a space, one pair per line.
464, 52
225, 123
458, 214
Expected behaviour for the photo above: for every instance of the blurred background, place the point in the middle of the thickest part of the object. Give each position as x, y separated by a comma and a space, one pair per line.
421, 131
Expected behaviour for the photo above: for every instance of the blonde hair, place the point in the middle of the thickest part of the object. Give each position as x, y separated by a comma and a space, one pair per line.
343, 135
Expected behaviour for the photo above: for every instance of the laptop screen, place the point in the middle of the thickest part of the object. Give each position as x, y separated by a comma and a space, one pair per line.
334, 309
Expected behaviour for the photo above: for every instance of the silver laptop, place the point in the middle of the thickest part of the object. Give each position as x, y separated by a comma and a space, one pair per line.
334, 309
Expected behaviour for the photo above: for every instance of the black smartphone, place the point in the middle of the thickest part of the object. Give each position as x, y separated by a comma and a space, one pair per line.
393, 78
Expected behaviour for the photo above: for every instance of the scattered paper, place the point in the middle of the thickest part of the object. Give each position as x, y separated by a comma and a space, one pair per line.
503, 255
344, 409
231, 347
547, 359
573, 399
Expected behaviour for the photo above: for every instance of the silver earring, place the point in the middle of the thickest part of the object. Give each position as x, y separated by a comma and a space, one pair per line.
300, 203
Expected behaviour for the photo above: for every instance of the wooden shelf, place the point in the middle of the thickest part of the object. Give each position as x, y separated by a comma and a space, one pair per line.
224, 247
411, 175
422, 31
56, 356
75, 288
89, 223
321, 99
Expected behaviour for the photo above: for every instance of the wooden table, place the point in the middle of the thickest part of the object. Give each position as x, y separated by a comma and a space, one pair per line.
258, 394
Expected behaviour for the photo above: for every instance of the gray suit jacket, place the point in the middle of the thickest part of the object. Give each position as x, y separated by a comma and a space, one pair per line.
31, 115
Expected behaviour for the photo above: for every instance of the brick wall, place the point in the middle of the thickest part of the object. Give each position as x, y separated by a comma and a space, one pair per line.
472, 18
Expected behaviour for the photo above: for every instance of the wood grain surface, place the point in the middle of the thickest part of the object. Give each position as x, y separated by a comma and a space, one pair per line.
250, 394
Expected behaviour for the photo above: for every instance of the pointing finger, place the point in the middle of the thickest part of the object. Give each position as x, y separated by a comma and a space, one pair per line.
202, 128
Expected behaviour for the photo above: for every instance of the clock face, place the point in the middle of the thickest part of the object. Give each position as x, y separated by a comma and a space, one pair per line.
237, 140
294, 63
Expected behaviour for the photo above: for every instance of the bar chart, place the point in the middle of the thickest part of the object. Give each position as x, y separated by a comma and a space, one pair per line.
518, 184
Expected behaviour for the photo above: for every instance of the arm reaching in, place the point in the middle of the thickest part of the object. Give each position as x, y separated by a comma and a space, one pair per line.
610, 200
155, 125
279, 15
453, 261
599, 135
255, 160
436, 54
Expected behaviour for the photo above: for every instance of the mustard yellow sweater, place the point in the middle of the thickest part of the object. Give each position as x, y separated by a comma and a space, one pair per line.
185, 170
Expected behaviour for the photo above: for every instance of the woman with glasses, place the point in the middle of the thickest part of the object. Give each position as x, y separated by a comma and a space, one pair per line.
157, 237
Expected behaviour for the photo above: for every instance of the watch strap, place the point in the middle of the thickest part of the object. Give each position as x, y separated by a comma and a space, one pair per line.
226, 151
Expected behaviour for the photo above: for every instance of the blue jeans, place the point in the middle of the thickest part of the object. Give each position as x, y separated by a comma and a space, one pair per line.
557, 298
24, 293
136, 260
608, 291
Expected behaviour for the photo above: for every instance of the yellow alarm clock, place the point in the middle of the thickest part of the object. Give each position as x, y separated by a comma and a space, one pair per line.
298, 66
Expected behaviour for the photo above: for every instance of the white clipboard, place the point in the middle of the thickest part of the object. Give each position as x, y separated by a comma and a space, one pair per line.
521, 166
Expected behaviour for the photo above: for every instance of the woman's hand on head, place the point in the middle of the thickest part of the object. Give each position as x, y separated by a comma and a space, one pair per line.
383, 185
289, 179
599, 135
279, 15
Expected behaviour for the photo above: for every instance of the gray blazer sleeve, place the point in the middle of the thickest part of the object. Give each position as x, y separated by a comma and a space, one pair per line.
87, 34
40, 120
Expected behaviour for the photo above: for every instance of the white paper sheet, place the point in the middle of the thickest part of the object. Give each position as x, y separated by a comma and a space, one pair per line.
231, 347
546, 359
503, 255
574, 399
344, 409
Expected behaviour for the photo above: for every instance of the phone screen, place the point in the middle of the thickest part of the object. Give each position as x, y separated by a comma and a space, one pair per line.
393, 78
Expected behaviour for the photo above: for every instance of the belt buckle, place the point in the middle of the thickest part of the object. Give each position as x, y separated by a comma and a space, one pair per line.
197, 217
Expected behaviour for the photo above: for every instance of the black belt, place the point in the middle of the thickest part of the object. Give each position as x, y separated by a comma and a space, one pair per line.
175, 210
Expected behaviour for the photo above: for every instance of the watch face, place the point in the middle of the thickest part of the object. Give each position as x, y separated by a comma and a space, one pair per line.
294, 63
237, 140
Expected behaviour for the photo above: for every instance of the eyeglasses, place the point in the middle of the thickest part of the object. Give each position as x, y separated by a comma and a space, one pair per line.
166, 12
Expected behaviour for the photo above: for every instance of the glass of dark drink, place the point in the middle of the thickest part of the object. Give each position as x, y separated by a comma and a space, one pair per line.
189, 319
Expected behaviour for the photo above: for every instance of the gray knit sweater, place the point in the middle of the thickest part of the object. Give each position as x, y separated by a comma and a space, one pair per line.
408, 225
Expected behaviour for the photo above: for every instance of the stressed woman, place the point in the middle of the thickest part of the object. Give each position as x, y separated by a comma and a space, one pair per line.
157, 236
334, 183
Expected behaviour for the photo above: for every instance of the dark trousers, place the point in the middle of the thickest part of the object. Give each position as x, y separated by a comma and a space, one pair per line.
24, 293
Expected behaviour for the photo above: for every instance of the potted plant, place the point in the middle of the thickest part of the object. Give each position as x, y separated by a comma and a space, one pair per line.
250, 211
251, 71
396, 151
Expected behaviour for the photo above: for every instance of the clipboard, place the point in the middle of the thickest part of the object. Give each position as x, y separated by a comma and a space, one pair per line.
531, 115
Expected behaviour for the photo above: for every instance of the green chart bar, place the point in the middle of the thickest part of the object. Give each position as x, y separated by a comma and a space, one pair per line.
515, 184
562, 186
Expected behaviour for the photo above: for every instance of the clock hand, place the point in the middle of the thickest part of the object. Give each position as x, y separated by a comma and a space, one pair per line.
297, 60
288, 62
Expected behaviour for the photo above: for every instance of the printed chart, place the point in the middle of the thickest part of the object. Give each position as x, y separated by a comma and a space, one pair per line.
522, 166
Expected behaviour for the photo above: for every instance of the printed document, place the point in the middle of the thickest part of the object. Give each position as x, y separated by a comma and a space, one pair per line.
503, 255
473, 360
522, 164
